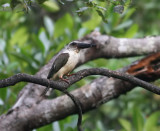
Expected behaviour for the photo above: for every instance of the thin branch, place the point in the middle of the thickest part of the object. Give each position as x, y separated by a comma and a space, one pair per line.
61, 85
77, 103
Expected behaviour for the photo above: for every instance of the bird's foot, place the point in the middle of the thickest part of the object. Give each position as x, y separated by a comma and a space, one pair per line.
66, 80
70, 74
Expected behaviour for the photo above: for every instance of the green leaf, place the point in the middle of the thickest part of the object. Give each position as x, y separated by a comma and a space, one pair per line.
50, 6
45, 41
69, 129
123, 25
101, 8
138, 119
131, 31
100, 126
128, 13
102, 16
125, 124
25, 56
49, 25
65, 22
81, 32
61, 2
45, 128
3, 94
2, 45
152, 122
20, 37
93, 22
38, 43
5, 58
82, 9
19, 5
12, 66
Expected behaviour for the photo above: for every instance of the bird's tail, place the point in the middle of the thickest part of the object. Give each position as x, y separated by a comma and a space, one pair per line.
45, 91
42, 95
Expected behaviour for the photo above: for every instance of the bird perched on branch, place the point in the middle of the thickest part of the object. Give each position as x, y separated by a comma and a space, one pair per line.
66, 61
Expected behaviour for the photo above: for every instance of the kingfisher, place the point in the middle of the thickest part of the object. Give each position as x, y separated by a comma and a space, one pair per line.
66, 61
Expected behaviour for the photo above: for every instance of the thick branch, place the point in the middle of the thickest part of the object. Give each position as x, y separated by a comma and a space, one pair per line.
111, 47
107, 47
100, 90
90, 96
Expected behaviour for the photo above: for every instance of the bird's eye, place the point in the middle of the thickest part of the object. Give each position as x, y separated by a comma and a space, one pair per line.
73, 43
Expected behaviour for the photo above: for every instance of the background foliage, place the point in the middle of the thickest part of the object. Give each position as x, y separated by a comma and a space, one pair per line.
33, 31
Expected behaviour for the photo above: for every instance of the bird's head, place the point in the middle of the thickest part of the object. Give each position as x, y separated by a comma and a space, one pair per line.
77, 45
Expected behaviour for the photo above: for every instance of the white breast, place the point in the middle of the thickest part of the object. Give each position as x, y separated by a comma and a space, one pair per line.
69, 66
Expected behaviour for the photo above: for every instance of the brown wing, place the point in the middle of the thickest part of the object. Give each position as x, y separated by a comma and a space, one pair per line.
59, 62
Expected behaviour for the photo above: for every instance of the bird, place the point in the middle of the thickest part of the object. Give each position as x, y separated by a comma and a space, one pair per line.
66, 61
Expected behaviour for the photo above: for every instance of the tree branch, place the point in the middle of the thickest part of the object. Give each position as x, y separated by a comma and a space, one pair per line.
62, 85
100, 90
112, 47
77, 104
107, 47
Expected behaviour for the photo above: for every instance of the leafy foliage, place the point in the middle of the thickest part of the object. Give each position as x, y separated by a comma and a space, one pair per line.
49, 5
141, 124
